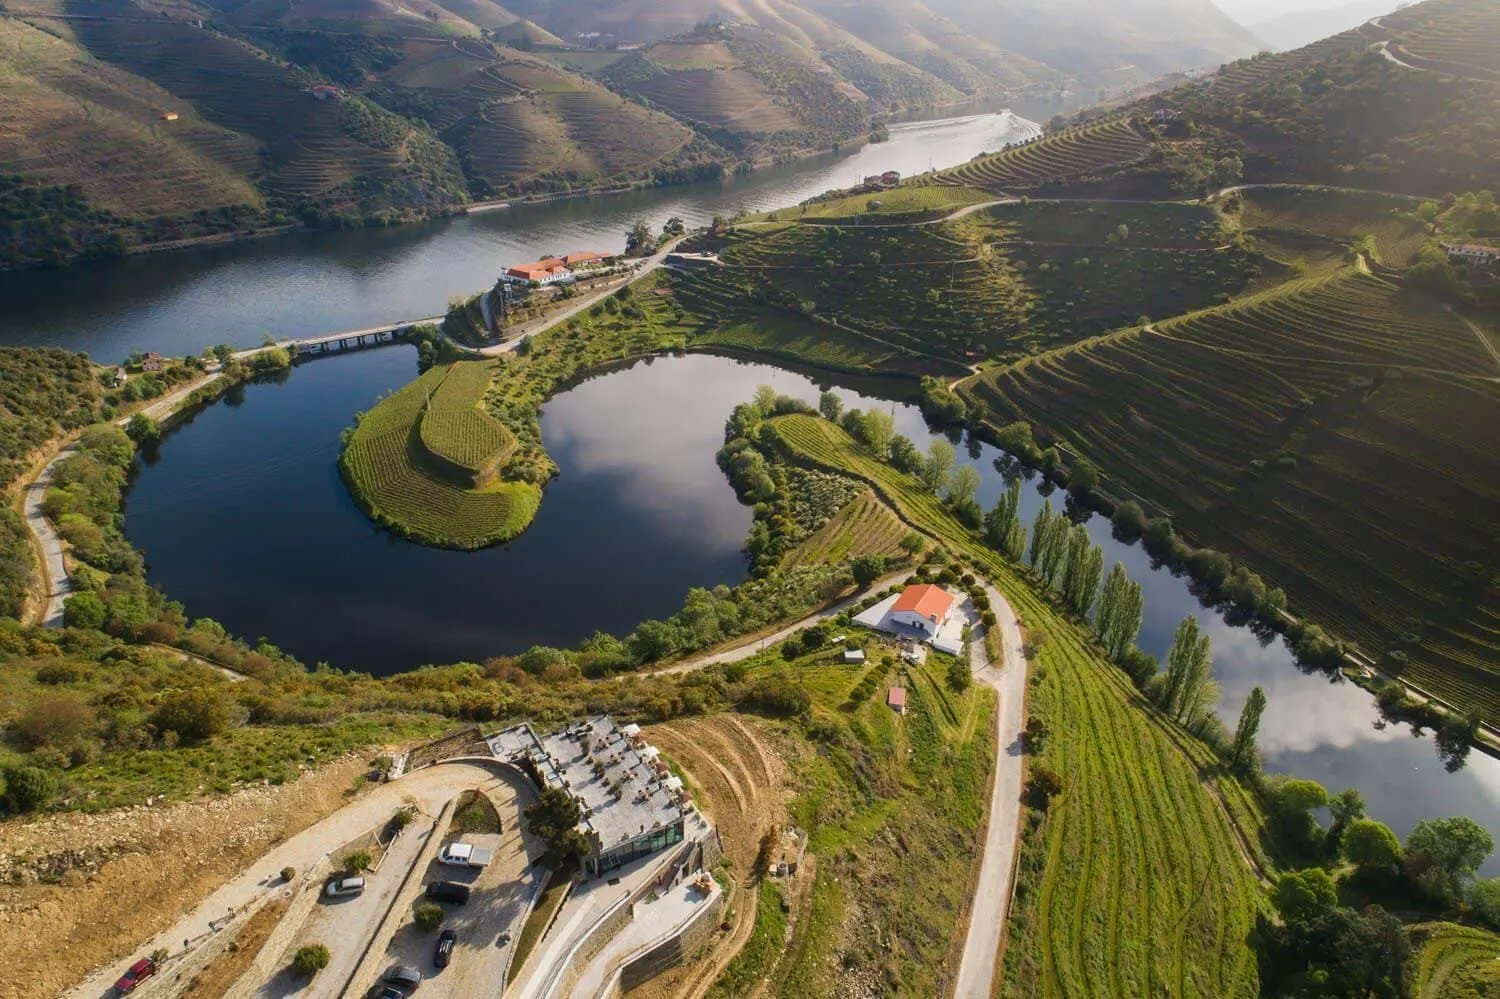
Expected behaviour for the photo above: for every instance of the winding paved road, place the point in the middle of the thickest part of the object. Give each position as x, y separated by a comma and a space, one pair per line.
991, 908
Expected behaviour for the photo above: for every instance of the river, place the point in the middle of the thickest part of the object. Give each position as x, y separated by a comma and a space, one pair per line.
639, 514
303, 283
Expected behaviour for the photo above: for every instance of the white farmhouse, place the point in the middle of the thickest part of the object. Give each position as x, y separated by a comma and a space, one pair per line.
926, 608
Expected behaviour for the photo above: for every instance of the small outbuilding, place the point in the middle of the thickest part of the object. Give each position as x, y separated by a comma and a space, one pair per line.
854, 655
896, 700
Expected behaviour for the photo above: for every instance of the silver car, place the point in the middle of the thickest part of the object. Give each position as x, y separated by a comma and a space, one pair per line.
344, 887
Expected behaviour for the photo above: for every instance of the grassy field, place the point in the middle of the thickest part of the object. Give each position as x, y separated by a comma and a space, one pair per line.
865, 526
1337, 435
1137, 880
893, 807
1454, 962
1075, 152
1339, 215
395, 480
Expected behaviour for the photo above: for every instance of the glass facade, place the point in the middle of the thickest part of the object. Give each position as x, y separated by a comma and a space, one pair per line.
637, 848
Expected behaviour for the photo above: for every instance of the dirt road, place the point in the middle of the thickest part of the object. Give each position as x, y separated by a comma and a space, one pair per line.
991, 908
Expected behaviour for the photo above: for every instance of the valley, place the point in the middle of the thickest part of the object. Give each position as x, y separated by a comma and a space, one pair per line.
998, 560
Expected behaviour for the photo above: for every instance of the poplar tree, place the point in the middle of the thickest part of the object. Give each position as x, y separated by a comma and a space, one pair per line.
1015, 541
1000, 521
1084, 569
1053, 557
1187, 683
1121, 605
1243, 751
1039, 534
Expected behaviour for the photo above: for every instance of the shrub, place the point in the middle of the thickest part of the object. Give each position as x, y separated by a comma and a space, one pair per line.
311, 959
195, 715
288, 873
28, 788
84, 610
428, 916
357, 861
1371, 845
55, 721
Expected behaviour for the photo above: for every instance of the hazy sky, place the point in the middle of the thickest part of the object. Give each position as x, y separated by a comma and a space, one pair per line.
1253, 11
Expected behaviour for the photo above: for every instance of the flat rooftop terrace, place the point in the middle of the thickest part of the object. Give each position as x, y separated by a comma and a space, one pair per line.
623, 788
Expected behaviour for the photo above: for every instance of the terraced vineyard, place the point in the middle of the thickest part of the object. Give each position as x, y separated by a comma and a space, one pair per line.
306, 144
895, 207
932, 292
1451, 36
1340, 437
1138, 883
1454, 962
1096, 266
1268, 67
1091, 149
1340, 215
458, 433
392, 477
731, 99
865, 526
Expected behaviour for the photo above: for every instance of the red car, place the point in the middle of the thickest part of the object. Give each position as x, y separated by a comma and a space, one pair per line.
137, 973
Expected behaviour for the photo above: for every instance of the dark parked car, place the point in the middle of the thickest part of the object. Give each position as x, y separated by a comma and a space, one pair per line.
448, 891
404, 976
444, 952
135, 975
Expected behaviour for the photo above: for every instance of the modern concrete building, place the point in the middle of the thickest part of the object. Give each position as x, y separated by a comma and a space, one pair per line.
632, 805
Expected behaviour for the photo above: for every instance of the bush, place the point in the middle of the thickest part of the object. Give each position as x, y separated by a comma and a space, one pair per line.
357, 861
84, 610
288, 873
428, 916
195, 715
1303, 895
55, 721
1371, 845
311, 959
28, 788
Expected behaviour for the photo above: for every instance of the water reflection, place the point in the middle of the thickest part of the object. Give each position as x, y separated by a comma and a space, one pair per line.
314, 282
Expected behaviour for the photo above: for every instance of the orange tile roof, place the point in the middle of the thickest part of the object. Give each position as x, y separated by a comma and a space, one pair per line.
931, 602
897, 697
583, 257
538, 270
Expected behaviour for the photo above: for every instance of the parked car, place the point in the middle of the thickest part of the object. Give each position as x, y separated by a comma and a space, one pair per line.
404, 976
135, 975
391, 992
465, 855
448, 891
444, 952
344, 887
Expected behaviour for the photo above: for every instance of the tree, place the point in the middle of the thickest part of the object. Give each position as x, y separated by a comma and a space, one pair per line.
867, 569
1292, 802
85, 610
1188, 679
878, 429
1371, 846
674, 226
554, 820
1484, 899
1084, 567
1121, 608
638, 241
1444, 853
196, 715
1345, 807
940, 458
960, 675
1242, 752
224, 354
913, 543
1303, 895
652, 641
357, 861
831, 406
1006, 514
143, 428
962, 485
311, 959
1083, 478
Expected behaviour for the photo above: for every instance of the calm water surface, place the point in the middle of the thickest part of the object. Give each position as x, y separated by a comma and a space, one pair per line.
318, 282
639, 513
